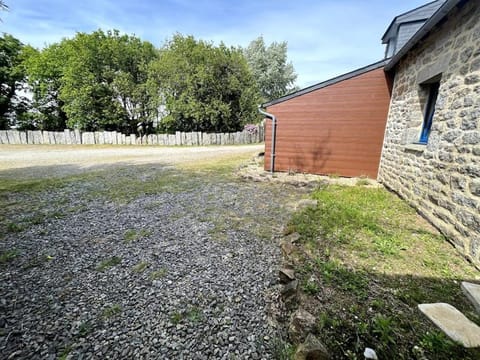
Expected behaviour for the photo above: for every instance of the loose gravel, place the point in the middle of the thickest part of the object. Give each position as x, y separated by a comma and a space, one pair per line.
189, 281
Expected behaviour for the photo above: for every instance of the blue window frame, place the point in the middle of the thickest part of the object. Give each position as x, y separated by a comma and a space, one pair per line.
429, 112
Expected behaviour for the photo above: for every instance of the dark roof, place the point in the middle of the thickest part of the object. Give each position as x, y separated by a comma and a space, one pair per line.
446, 7
420, 13
329, 82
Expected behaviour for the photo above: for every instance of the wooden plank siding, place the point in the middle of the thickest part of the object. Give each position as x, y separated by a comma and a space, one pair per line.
337, 129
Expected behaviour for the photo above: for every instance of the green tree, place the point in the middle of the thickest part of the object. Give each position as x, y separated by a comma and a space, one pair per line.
204, 87
45, 70
92, 81
12, 76
274, 75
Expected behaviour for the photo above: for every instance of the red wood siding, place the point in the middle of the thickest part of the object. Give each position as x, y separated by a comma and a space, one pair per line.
337, 129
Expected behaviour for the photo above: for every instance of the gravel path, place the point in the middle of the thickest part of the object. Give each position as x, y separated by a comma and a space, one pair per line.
174, 275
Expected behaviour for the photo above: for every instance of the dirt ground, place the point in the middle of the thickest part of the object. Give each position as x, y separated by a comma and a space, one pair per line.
47, 160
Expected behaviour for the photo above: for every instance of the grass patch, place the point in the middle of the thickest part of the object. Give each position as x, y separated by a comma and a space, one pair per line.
108, 263
65, 352
366, 261
158, 274
8, 256
111, 311
132, 235
192, 314
141, 266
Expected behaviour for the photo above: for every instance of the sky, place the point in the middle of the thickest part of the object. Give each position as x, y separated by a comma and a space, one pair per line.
325, 38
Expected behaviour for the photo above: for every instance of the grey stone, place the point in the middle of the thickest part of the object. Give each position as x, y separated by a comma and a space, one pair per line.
453, 323
471, 137
451, 135
475, 187
301, 324
472, 79
312, 349
472, 292
290, 289
286, 275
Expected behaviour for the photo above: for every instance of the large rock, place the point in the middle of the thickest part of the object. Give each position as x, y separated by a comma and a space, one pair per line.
472, 291
453, 323
311, 349
301, 324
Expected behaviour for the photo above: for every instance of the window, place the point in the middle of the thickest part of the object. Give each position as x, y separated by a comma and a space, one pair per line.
432, 90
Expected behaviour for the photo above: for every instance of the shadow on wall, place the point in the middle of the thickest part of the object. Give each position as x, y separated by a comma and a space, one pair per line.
311, 157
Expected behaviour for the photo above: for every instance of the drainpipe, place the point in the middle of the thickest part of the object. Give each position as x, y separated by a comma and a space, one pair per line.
274, 126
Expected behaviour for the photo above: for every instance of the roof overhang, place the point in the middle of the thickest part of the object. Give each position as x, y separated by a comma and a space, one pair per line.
329, 82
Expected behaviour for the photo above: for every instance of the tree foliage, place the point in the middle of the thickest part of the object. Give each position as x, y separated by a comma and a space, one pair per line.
110, 81
12, 75
204, 87
274, 75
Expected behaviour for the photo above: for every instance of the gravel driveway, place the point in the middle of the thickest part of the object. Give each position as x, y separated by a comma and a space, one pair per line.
178, 273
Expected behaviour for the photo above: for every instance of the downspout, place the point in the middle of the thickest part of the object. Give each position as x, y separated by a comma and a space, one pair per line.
274, 127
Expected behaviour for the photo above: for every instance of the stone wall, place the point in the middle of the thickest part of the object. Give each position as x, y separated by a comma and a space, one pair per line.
73, 137
440, 179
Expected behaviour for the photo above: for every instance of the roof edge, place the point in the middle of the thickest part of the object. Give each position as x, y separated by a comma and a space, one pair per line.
442, 11
329, 82
402, 14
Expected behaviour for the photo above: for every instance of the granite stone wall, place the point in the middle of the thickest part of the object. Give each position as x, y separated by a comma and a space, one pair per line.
442, 178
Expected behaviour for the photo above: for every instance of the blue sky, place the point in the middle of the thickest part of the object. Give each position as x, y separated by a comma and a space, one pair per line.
325, 37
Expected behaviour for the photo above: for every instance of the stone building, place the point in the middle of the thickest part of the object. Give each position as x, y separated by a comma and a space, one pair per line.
431, 148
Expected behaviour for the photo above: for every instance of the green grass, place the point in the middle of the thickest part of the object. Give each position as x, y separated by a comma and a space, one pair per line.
132, 235
192, 314
366, 261
111, 311
141, 266
8, 256
108, 263
158, 274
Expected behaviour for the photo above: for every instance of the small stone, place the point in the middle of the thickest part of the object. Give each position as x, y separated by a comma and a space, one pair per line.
290, 289
301, 323
370, 354
311, 349
286, 275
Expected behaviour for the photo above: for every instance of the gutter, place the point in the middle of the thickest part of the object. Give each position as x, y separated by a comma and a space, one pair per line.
274, 127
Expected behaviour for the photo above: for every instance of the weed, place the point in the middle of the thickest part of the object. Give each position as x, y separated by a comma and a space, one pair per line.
283, 350
8, 256
85, 328
362, 182
14, 227
158, 274
176, 317
134, 235
436, 341
37, 261
65, 351
111, 311
194, 314
108, 263
311, 287
141, 266
383, 328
